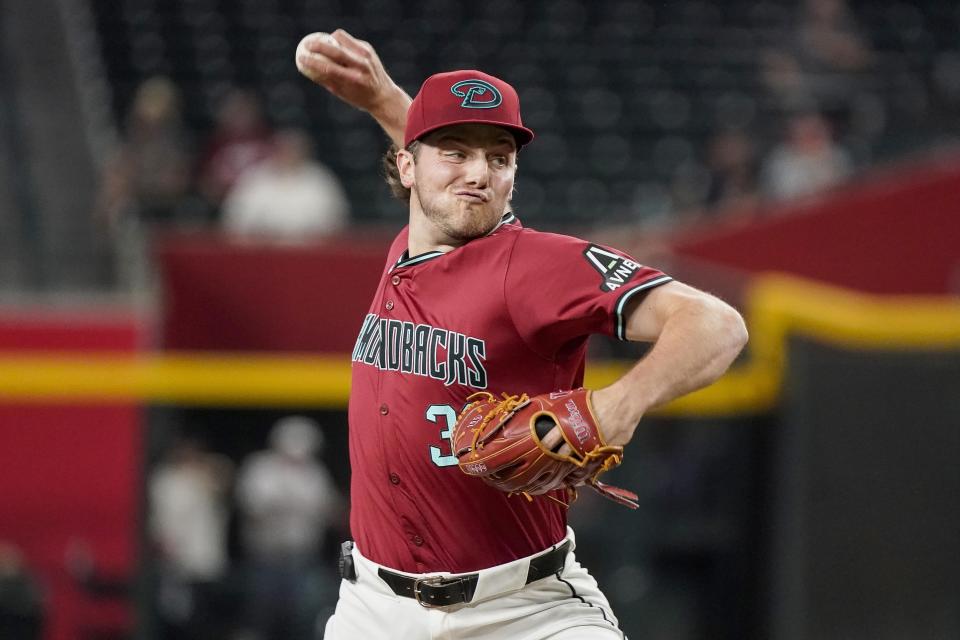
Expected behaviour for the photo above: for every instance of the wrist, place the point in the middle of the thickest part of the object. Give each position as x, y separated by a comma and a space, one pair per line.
617, 414
390, 101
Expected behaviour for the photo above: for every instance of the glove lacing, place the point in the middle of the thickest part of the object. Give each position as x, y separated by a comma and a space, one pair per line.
505, 406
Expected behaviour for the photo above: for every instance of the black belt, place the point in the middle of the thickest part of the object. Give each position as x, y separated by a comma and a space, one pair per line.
438, 591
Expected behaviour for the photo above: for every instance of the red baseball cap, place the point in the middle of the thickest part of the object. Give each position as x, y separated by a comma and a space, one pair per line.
464, 97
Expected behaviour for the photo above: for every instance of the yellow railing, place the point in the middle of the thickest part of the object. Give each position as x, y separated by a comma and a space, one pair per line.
777, 306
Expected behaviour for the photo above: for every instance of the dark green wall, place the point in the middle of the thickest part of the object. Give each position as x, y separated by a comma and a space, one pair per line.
867, 499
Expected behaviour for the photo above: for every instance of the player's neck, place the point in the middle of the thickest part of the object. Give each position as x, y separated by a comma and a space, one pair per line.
423, 236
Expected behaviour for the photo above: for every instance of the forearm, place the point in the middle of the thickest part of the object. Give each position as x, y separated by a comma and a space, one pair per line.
696, 347
697, 344
391, 113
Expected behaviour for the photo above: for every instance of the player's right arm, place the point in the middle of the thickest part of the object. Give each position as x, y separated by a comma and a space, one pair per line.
351, 70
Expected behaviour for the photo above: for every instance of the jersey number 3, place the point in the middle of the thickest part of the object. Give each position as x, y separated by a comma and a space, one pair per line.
445, 416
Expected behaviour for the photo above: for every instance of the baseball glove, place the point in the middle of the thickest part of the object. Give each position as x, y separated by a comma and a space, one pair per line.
500, 441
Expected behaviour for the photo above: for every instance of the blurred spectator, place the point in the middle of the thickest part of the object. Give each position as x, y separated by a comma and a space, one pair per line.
241, 140
833, 53
21, 603
188, 522
821, 66
288, 197
829, 39
149, 175
786, 81
288, 500
732, 163
806, 162
146, 183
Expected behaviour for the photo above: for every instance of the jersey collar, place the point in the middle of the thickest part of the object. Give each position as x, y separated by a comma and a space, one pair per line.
406, 261
508, 218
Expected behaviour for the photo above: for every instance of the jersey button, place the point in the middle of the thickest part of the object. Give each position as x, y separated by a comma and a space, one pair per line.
389, 305
417, 540
395, 280
394, 478
384, 409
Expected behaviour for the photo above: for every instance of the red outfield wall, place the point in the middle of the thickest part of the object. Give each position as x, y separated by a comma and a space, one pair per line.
223, 296
897, 232
70, 475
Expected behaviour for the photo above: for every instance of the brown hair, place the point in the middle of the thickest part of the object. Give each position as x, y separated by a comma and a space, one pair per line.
391, 174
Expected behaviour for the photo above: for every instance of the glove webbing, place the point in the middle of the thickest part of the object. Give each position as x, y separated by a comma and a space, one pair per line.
505, 406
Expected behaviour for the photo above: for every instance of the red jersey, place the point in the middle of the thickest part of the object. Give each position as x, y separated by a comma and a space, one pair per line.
508, 312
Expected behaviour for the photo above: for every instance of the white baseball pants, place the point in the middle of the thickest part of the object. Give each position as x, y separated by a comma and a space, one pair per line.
563, 606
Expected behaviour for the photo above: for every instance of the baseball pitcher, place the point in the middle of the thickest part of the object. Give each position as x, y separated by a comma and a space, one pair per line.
470, 432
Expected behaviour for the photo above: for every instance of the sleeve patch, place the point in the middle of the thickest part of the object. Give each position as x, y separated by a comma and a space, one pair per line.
615, 270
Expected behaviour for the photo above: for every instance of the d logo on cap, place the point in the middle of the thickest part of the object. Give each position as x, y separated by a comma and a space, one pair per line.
479, 98
472, 90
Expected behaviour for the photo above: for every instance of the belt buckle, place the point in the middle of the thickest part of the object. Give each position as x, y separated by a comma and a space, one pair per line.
429, 580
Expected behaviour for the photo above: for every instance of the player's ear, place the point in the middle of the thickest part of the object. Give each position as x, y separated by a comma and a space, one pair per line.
405, 166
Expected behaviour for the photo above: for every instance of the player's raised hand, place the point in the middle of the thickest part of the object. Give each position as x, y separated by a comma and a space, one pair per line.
348, 68
351, 70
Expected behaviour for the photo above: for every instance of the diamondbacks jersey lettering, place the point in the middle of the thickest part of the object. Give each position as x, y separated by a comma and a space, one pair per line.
510, 311
398, 345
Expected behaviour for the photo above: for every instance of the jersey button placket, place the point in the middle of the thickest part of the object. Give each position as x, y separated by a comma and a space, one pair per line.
388, 305
395, 280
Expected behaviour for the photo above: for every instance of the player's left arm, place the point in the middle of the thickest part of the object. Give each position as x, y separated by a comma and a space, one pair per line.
695, 336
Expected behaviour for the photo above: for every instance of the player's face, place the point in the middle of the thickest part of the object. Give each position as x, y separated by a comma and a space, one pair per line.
462, 179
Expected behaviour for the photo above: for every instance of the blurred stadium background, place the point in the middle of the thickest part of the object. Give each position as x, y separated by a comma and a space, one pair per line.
799, 158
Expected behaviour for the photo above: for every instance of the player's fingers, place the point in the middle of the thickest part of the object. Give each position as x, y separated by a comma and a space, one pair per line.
324, 71
554, 442
319, 61
312, 64
353, 45
326, 45
312, 41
